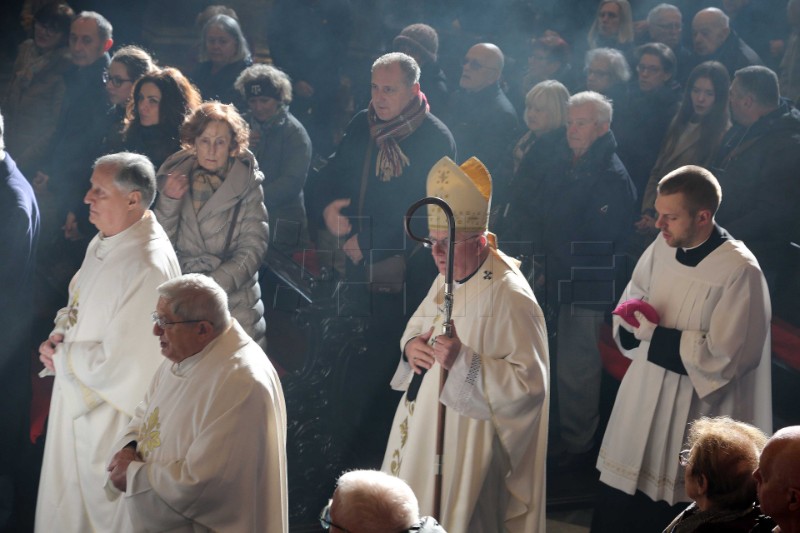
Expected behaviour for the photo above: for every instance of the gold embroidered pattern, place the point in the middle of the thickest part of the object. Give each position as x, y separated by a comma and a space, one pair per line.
396, 463
397, 460
72, 314
150, 434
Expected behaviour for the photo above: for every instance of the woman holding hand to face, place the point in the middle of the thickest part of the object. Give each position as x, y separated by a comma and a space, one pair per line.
212, 207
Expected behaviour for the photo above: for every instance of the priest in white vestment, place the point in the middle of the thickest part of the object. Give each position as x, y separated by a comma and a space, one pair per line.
497, 390
100, 349
206, 450
709, 354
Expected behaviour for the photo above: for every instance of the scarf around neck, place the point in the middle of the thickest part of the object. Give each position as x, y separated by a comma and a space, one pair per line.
388, 134
205, 183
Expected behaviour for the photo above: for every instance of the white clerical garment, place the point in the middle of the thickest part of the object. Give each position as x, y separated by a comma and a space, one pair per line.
497, 407
212, 432
721, 308
103, 367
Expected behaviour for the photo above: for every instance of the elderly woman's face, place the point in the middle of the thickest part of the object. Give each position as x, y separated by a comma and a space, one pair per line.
599, 77
220, 46
537, 118
213, 146
263, 107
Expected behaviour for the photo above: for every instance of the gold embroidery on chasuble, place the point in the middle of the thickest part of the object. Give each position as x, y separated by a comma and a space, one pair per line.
397, 454
150, 434
72, 313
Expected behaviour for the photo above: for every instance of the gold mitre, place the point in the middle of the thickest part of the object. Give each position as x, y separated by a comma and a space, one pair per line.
468, 191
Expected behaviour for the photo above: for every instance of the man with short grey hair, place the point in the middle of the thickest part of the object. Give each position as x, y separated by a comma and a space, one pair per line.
99, 350
206, 449
370, 501
378, 170
665, 25
714, 40
578, 222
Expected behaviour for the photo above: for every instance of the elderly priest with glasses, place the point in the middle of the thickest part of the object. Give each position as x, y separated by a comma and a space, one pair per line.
206, 449
496, 392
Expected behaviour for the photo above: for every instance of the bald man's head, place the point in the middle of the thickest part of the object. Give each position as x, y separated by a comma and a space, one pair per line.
483, 66
710, 28
778, 478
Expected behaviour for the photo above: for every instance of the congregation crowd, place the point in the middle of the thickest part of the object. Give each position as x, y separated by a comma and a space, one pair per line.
643, 154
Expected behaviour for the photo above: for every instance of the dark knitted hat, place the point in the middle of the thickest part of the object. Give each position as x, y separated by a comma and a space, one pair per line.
421, 38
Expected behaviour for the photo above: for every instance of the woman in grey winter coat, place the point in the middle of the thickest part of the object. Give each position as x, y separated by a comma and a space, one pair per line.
212, 207
283, 150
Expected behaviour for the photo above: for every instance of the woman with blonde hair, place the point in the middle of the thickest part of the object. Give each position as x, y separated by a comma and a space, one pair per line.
546, 117
212, 207
545, 110
719, 461
613, 26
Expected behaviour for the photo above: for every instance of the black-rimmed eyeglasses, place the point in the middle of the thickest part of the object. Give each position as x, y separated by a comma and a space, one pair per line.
116, 81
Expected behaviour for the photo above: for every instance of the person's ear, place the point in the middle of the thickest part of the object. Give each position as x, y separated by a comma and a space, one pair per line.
704, 216
134, 199
702, 484
108, 44
794, 498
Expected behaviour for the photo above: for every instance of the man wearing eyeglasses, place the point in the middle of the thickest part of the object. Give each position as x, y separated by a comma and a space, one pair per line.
100, 351
665, 25
206, 449
497, 390
482, 119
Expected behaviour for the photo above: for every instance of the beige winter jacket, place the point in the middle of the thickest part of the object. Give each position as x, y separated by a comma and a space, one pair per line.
199, 238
